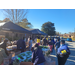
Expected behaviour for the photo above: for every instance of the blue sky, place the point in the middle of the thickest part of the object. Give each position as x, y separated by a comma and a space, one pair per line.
63, 19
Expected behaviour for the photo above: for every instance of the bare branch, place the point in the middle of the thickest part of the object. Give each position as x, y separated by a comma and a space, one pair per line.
16, 15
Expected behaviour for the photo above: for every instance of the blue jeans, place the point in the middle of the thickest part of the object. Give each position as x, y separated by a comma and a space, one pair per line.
41, 63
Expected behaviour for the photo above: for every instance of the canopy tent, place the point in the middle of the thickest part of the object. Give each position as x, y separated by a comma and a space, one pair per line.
37, 32
10, 26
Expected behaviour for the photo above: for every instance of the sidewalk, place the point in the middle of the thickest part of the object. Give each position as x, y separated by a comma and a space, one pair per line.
54, 56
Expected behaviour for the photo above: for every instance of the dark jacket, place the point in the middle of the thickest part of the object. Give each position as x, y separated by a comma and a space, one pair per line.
53, 41
44, 41
3, 45
57, 44
21, 45
37, 56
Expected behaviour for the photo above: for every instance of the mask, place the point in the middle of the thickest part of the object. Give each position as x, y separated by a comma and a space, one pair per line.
62, 44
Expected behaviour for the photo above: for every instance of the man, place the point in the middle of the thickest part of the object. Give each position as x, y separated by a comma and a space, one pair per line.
61, 56
44, 42
57, 45
4, 45
21, 45
30, 43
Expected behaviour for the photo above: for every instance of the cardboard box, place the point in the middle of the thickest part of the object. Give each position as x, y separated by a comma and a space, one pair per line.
26, 63
6, 61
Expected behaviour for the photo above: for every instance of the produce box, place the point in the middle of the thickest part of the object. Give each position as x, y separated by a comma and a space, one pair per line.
45, 49
23, 57
26, 63
6, 61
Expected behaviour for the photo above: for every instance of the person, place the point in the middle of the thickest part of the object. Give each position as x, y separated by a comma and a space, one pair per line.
4, 45
57, 45
50, 43
44, 41
35, 40
47, 38
28, 39
24, 38
62, 57
21, 45
53, 42
38, 40
37, 55
30, 43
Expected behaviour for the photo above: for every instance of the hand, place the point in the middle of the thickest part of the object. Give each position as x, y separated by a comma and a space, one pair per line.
61, 54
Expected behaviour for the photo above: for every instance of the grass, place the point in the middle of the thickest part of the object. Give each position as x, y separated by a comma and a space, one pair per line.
73, 39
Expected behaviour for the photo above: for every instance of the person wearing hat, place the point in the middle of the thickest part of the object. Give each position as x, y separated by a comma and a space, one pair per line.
4, 45
37, 55
62, 53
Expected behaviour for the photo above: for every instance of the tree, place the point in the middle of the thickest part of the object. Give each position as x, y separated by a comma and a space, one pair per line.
25, 24
48, 28
57, 33
15, 15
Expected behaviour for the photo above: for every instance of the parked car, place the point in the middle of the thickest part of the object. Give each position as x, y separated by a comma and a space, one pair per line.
69, 39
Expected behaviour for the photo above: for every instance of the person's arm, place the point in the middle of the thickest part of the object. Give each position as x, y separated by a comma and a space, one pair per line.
2, 46
42, 42
29, 43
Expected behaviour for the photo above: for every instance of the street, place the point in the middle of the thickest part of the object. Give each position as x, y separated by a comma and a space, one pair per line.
71, 59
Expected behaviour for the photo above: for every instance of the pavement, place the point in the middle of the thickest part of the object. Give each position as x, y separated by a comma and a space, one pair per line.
71, 59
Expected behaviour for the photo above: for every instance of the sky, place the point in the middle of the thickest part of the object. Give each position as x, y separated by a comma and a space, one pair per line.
63, 19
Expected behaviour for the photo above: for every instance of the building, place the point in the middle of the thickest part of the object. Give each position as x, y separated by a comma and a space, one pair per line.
13, 31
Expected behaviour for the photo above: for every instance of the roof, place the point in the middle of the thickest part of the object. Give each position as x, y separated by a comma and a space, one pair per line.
37, 31
2, 23
10, 26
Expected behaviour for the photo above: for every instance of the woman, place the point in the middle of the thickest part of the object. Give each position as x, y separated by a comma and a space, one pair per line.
30, 44
37, 55
50, 43
38, 40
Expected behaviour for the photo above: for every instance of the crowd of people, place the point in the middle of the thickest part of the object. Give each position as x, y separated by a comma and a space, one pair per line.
61, 49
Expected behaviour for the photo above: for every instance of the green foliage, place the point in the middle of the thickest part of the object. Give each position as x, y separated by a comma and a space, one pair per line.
25, 24
48, 28
16, 38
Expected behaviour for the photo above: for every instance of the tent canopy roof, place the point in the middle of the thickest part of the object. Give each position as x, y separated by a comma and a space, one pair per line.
37, 31
10, 26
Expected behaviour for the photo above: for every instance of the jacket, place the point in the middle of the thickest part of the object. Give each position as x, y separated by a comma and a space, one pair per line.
21, 44
37, 56
64, 47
